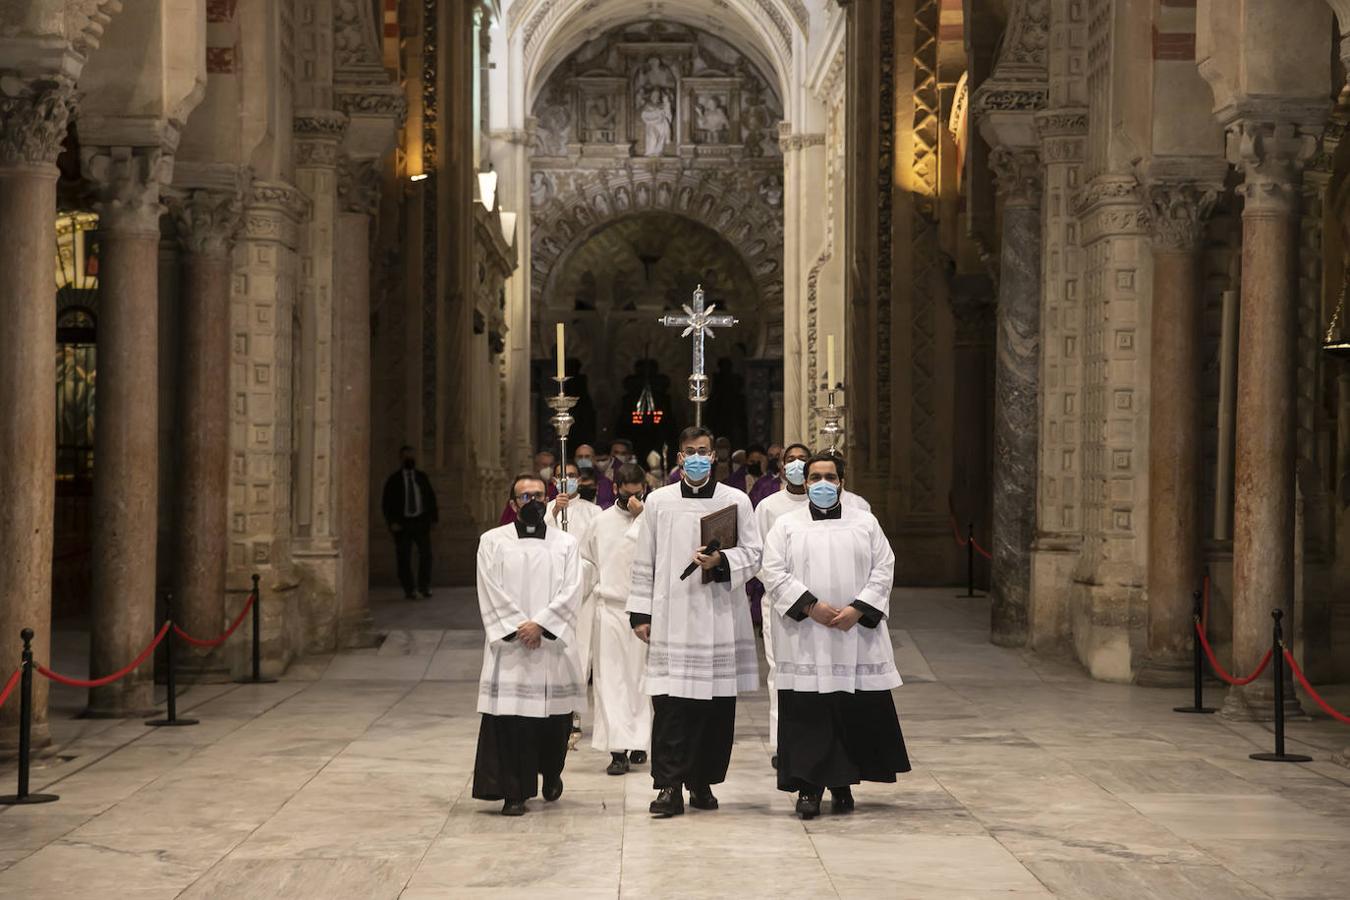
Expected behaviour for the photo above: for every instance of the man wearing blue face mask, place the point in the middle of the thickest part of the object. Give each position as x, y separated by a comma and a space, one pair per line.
828, 572
701, 643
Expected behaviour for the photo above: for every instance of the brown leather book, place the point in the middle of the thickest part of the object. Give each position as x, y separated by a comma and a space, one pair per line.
720, 526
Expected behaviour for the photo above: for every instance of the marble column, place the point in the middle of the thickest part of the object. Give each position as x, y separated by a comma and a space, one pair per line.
126, 485
207, 221
1016, 382
33, 119
358, 193
1176, 352
1263, 510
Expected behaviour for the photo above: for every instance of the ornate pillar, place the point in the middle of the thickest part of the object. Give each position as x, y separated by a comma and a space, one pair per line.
358, 195
1175, 533
1270, 152
33, 117
1016, 384
317, 135
207, 221
126, 490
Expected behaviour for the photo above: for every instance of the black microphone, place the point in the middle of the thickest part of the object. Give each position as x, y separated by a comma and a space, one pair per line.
713, 546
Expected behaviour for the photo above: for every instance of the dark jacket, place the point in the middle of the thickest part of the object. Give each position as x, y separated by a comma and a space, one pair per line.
392, 502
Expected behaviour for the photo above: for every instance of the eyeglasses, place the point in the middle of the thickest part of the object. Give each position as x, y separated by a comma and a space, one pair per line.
522, 499
701, 451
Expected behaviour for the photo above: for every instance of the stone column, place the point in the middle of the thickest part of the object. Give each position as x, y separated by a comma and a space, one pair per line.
126, 486
207, 224
358, 193
1174, 481
33, 119
1270, 156
1016, 382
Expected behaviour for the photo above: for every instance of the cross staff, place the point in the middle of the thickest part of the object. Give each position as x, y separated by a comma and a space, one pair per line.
698, 321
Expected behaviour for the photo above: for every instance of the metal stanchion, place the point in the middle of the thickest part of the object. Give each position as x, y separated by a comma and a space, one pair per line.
970, 561
1198, 659
1278, 659
172, 718
257, 638
22, 797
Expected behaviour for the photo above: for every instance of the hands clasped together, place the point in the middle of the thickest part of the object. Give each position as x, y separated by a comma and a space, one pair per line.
530, 634
843, 619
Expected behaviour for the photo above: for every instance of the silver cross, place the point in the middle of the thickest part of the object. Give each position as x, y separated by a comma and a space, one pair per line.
698, 321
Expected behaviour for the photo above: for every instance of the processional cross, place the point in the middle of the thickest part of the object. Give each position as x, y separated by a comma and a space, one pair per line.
698, 321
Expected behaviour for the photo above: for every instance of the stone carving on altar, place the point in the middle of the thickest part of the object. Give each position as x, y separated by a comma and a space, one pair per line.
656, 115
711, 124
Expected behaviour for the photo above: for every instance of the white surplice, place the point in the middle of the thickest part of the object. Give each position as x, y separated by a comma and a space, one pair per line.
702, 640
623, 712
767, 514
529, 579
581, 514
838, 561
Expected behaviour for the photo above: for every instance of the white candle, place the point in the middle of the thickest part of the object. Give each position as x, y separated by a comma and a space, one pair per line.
829, 363
562, 357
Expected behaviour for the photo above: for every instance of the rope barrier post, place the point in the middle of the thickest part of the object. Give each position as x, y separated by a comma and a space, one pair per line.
257, 637
970, 559
172, 680
22, 797
1277, 650
1198, 658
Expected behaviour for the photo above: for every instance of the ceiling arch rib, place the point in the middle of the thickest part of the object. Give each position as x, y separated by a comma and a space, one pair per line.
763, 29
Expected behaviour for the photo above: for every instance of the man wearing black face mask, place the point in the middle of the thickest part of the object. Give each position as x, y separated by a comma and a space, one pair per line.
409, 507
744, 477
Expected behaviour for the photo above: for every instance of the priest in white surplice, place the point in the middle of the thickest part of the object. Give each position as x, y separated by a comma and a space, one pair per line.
623, 712
828, 571
702, 645
791, 498
577, 496
529, 588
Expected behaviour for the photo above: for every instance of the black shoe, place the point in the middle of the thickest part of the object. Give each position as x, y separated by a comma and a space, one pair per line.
426, 594
669, 802
774, 762
701, 797
637, 757
553, 788
808, 805
513, 808
618, 765
841, 800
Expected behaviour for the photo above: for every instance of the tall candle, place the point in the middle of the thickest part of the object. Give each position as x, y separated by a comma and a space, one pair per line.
829, 363
562, 356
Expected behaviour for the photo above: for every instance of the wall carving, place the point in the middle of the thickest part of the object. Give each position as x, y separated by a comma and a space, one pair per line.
430, 213
33, 119
885, 206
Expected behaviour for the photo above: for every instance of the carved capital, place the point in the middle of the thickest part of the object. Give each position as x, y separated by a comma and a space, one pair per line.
358, 185
1178, 212
1017, 175
33, 119
1271, 154
127, 183
208, 220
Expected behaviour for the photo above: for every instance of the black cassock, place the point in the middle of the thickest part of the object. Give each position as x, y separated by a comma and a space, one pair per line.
838, 739
514, 751
691, 740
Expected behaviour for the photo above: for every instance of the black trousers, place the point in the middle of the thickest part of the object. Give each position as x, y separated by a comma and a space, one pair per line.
414, 533
691, 740
839, 739
513, 751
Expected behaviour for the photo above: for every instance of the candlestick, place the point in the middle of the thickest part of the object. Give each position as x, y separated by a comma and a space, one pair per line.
562, 423
562, 354
829, 363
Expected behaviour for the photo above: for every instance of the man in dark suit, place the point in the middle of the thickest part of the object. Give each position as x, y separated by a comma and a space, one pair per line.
409, 506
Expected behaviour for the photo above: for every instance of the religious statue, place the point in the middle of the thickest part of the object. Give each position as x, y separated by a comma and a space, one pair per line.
656, 118
600, 119
710, 118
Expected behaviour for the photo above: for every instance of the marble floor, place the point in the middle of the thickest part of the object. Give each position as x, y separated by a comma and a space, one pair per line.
350, 778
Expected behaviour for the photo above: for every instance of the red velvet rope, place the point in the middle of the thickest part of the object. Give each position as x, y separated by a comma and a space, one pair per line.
962, 542
1317, 698
216, 642
106, 679
9, 686
1223, 673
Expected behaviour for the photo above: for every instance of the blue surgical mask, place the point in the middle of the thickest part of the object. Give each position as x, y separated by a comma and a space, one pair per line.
795, 471
570, 486
585, 462
823, 495
697, 467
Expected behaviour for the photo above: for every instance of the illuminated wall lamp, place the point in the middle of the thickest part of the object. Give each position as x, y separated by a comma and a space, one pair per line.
487, 189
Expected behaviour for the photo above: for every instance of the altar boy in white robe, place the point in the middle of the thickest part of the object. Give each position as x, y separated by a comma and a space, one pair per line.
623, 713
828, 571
702, 643
529, 589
